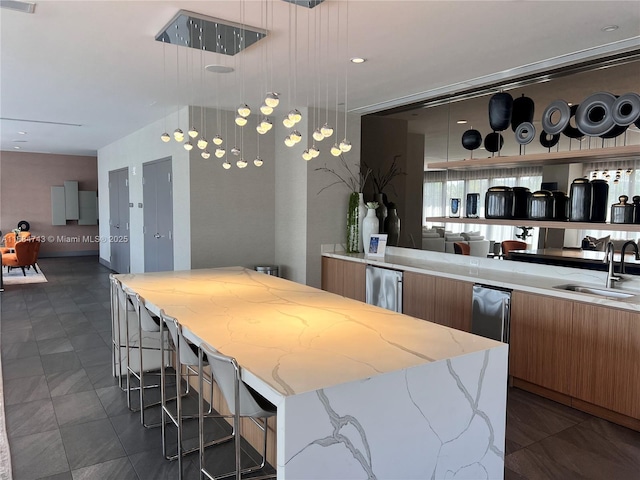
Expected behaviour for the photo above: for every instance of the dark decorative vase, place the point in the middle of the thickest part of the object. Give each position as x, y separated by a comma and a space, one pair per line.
381, 211
392, 226
500, 109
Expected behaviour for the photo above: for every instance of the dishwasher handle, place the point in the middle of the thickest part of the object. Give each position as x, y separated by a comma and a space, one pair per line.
399, 294
506, 319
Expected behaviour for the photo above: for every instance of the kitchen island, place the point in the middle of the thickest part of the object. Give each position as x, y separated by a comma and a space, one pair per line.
361, 392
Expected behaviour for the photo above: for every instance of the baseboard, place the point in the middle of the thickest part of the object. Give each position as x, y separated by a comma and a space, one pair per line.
104, 262
78, 253
542, 391
601, 412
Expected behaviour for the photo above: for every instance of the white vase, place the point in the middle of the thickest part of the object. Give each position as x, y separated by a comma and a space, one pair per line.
362, 212
370, 225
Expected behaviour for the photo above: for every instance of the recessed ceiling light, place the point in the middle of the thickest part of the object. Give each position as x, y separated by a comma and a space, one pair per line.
17, 148
22, 133
609, 28
569, 103
218, 69
461, 122
358, 60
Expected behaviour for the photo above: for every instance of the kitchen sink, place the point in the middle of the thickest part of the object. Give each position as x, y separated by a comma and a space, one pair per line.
600, 292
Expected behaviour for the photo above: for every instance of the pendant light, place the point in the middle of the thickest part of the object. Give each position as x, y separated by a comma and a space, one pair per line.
240, 120
272, 99
178, 135
313, 150
288, 122
266, 110
202, 143
288, 141
205, 154
258, 162
318, 136
345, 145
193, 133
266, 124
295, 136
165, 137
241, 163
188, 146
244, 110
217, 140
306, 155
220, 151
235, 151
226, 165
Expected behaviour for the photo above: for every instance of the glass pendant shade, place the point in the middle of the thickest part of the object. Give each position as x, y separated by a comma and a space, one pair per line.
314, 152
266, 109
241, 121
235, 151
188, 146
345, 145
205, 154
272, 99
306, 155
335, 150
296, 136
295, 116
317, 135
260, 130
220, 152
287, 122
266, 124
165, 137
241, 163
178, 135
217, 140
327, 130
202, 143
244, 110
288, 141
258, 162
226, 165
193, 133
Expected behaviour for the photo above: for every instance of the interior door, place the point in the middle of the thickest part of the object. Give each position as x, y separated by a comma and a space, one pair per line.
119, 220
158, 216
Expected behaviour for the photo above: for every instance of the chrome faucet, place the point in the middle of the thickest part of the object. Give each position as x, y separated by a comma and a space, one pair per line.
608, 258
634, 246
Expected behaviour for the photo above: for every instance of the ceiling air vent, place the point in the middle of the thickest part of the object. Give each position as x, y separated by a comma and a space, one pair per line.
305, 3
25, 7
197, 31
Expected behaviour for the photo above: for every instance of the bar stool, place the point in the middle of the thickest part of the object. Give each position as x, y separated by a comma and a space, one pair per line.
241, 401
150, 342
185, 354
121, 321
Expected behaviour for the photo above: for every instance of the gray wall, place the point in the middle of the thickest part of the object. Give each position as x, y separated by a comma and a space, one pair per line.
232, 211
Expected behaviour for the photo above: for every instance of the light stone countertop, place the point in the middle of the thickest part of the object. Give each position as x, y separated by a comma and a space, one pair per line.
290, 338
518, 276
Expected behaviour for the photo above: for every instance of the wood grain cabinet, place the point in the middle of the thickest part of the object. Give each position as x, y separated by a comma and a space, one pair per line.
437, 299
540, 345
418, 291
606, 350
344, 278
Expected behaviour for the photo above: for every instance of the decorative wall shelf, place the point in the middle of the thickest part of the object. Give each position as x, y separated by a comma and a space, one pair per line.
615, 227
627, 152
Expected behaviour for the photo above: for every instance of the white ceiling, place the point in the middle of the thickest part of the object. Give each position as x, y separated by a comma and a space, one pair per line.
95, 64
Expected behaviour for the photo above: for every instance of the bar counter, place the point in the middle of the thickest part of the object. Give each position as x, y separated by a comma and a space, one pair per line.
360, 391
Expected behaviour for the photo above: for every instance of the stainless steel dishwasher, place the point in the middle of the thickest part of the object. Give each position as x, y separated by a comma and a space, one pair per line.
384, 288
491, 312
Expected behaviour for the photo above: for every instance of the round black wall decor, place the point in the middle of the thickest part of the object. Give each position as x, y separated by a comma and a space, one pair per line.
547, 140
471, 139
626, 109
23, 225
594, 115
525, 133
557, 106
500, 108
493, 142
571, 131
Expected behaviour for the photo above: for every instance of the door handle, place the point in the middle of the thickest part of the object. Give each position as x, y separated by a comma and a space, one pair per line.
157, 235
117, 225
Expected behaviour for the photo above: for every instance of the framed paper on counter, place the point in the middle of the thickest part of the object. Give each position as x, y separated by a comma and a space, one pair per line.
377, 245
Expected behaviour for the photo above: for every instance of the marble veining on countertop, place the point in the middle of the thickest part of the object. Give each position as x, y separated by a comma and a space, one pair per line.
293, 337
521, 276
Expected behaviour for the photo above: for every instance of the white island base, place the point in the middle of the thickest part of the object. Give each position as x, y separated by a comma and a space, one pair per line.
439, 420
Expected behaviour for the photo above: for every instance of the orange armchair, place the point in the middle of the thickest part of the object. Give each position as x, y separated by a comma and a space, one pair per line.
509, 245
461, 248
25, 255
10, 241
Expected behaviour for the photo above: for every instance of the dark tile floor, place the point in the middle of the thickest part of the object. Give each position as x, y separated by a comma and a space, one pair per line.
67, 418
